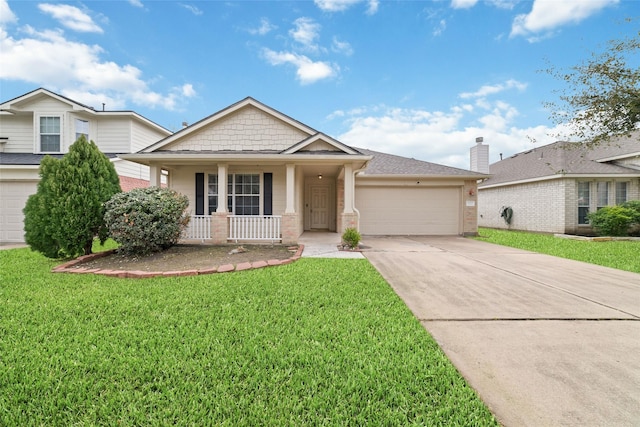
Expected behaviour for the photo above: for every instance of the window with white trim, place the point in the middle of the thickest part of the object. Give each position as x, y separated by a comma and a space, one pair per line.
584, 199
243, 194
602, 188
49, 134
82, 128
621, 192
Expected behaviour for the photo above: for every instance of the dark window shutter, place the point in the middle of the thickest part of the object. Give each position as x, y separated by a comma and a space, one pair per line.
199, 193
268, 193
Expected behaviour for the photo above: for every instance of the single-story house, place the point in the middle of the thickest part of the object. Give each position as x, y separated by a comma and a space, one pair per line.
552, 188
42, 123
254, 173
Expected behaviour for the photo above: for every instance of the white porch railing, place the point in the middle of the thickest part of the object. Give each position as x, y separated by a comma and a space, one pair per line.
199, 228
254, 227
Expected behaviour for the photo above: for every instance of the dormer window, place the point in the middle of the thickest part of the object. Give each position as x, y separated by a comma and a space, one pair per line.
49, 132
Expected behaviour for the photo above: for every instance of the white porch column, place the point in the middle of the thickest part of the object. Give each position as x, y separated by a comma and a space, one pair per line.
155, 175
291, 179
222, 187
349, 188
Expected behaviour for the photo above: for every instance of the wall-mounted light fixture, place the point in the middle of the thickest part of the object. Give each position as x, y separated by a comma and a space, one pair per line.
319, 176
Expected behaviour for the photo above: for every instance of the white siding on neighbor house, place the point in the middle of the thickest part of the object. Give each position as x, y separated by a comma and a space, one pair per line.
14, 197
142, 136
47, 104
537, 206
249, 128
414, 210
114, 134
19, 129
131, 169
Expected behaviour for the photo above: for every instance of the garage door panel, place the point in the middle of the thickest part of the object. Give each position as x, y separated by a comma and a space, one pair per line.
14, 197
401, 210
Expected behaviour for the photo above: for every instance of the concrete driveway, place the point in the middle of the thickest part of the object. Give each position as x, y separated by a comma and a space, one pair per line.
543, 340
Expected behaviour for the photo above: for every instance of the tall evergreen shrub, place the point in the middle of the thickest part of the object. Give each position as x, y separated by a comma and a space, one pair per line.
67, 212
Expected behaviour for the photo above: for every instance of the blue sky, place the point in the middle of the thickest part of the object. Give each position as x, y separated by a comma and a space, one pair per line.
420, 79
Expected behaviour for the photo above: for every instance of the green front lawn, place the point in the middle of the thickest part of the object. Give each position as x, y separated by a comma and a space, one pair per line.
317, 342
623, 255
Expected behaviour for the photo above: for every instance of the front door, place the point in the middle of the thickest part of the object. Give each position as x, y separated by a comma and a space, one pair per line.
320, 206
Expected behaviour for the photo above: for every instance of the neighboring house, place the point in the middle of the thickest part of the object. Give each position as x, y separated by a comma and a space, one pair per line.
253, 173
553, 188
43, 123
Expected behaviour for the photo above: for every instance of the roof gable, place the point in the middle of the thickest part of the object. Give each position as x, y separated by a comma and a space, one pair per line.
245, 125
38, 97
320, 143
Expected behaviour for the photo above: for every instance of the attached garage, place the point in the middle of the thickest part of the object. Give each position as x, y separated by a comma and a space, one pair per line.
393, 210
14, 198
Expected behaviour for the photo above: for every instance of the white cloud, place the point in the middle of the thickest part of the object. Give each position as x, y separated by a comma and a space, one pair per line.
307, 71
136, 3
548, 15
71, 17
342, 5
35, 58
306, 32
192, 9
463, 4
443, 137
264, 28
188, 90
341, 47
442, 25
493, 89
6, 15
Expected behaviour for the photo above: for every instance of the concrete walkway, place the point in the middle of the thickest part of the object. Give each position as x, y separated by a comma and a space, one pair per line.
321, 244
545, 341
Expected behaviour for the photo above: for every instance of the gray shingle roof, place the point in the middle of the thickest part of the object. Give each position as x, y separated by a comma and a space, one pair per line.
565, 158
389, 164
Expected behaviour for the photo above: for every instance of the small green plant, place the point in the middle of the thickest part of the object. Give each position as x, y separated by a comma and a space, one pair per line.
612, 220
146, 220
351, 237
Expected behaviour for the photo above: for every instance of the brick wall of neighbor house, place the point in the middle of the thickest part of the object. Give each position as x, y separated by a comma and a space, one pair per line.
537, 206
249, 128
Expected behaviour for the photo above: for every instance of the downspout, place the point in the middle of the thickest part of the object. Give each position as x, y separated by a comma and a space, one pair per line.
353, 201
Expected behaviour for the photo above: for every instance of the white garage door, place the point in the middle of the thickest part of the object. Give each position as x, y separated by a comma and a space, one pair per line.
14, 196
406, 211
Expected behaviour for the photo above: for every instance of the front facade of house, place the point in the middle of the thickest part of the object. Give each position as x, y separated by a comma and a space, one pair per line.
253, 173
553, 188
42, 123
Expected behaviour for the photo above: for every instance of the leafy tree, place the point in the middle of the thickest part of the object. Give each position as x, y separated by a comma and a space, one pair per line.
66, 213
602, 98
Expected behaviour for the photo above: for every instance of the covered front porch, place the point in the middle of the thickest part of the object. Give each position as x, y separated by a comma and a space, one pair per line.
289, 200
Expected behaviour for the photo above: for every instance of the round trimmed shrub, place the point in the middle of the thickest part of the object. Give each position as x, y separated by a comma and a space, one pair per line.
146, 220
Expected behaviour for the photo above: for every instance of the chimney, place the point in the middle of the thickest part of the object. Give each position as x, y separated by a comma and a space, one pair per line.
480, 156
184, 125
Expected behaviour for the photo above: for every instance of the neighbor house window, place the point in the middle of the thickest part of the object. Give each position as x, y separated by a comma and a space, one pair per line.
49, 129
603, 194
243, 194
82, 128
583, 202
621, 192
